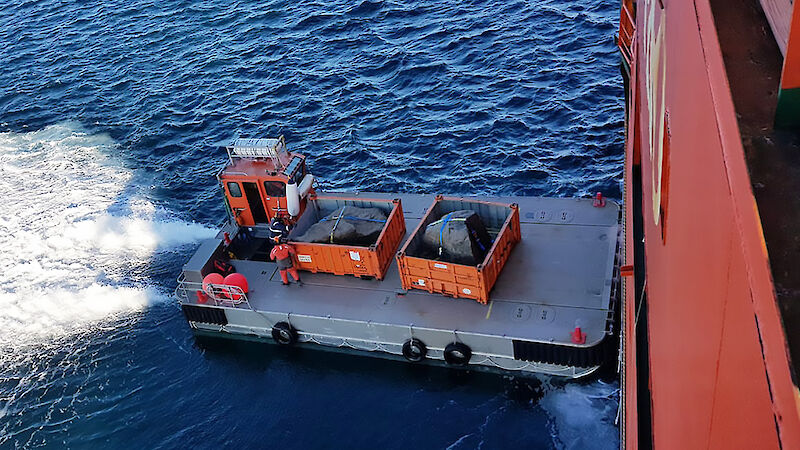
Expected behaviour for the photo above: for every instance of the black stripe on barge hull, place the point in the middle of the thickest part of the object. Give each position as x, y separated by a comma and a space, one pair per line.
204, 314
562, 354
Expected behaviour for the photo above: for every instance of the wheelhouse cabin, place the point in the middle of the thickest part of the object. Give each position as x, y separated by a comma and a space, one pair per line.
263, 180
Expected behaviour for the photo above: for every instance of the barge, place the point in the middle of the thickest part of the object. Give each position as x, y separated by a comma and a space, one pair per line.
549, 305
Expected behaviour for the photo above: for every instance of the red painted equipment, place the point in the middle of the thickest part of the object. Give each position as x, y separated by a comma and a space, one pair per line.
578, 336
599, 200
626, 271
237, 280
716, 372
209, 280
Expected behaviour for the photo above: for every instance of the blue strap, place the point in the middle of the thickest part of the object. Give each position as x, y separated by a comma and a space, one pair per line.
441, 231
477, 241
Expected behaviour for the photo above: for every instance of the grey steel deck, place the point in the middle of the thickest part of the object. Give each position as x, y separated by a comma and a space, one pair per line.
558, 277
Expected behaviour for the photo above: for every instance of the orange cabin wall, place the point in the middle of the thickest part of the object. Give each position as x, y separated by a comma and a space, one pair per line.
244, 170
718, 370
246, 217
239, 205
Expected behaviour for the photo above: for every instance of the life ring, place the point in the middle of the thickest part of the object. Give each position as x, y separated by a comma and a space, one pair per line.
414, 350
457, 354
284, 334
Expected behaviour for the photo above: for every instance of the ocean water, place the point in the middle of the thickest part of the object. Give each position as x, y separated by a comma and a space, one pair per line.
109, 113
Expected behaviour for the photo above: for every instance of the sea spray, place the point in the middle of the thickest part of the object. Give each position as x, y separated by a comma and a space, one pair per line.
66, 256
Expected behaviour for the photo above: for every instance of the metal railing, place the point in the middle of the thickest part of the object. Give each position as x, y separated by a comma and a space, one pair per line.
216, 294
627, 31
271, 148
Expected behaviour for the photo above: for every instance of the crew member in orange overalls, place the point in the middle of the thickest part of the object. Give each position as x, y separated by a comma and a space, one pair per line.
282, 252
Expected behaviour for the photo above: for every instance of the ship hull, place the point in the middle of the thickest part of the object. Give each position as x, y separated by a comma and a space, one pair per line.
705, 359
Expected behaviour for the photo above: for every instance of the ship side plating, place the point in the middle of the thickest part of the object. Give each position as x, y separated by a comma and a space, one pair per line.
705, 357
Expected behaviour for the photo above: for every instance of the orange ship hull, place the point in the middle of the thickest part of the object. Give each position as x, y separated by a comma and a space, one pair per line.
705, 354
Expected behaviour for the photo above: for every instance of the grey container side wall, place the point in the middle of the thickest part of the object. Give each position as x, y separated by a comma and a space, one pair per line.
318, 208
493, 217
202, 262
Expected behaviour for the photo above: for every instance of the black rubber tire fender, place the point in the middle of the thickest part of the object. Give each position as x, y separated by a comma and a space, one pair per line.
414, 350
284, 334
457, 354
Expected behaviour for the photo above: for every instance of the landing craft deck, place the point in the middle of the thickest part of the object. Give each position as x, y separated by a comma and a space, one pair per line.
559, 277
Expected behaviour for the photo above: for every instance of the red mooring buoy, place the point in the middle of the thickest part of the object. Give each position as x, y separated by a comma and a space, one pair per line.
208, 280
202, 298
238, 280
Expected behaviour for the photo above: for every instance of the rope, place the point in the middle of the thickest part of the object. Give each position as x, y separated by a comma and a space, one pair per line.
454, 219
352, 218
639, 306
266, 318
341, 214
374, 346
447, 219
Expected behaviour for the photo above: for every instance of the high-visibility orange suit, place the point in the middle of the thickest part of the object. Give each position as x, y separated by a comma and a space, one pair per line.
282, 254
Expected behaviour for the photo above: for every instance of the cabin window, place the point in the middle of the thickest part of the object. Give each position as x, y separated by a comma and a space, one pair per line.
296, 170
234, 189
291, 168
275, 189
299, 174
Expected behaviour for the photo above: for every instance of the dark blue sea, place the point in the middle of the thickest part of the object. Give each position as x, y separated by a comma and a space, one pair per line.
109, 116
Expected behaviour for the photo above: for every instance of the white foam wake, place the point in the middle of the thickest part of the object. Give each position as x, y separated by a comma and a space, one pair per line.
582, 415
65, 260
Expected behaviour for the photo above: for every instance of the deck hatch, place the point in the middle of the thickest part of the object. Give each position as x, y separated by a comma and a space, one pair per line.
561, 354
204, 314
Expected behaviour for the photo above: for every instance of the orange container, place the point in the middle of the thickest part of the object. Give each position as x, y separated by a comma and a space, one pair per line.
458, 280
372, 261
